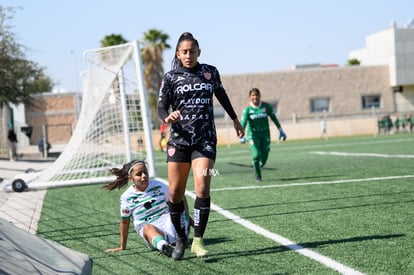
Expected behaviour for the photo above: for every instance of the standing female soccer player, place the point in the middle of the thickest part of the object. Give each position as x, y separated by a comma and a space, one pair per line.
188, 90
258, 134
145, 202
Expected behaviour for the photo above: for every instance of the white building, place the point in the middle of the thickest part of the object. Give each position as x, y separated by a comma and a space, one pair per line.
393, 47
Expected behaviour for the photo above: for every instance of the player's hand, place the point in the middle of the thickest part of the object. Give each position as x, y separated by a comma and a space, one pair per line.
238, 128
282, 135
173, 117
114, 249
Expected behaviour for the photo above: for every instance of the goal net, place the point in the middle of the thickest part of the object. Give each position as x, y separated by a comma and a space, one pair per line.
113, 125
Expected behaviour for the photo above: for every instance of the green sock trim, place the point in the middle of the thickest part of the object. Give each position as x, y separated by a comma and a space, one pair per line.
156, 240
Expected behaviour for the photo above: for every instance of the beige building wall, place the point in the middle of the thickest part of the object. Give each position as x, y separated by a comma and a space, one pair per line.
293, 90
310, 129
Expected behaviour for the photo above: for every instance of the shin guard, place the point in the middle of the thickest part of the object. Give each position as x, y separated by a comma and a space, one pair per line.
201, 214
177, 217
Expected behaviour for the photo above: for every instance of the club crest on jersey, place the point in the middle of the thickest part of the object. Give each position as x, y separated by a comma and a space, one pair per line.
125, 211
207, 75
156, 190
171, 151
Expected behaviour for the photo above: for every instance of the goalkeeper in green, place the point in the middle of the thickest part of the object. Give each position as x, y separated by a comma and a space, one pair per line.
255, 117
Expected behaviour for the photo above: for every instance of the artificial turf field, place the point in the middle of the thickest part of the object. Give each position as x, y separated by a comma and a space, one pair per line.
345, 205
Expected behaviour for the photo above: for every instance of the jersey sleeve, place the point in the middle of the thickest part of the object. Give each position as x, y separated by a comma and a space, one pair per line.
125, 210
164, 99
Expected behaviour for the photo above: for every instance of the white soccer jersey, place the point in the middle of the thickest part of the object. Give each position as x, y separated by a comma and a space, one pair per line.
144, 207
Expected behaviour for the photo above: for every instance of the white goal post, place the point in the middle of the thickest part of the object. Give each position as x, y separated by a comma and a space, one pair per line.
114, 124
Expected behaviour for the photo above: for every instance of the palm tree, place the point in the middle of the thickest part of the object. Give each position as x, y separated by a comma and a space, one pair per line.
154, 44
112, 40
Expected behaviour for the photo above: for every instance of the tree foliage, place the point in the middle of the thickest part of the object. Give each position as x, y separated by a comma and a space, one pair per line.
154, 44
113, 40
19, 78
353, 62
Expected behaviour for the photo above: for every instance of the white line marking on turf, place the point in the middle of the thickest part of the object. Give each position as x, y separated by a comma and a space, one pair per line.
313, 183
283, 241
361, 154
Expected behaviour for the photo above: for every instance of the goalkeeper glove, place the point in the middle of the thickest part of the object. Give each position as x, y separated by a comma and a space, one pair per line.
282, 134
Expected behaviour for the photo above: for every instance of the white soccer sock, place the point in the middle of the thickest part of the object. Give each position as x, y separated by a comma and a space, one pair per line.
159, 242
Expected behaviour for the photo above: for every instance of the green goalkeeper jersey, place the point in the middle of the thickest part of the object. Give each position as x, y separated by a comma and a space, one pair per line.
256, 119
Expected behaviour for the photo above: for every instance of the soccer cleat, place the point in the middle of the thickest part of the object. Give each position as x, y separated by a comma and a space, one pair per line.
179, 249
198, 248
258, 178
167, 250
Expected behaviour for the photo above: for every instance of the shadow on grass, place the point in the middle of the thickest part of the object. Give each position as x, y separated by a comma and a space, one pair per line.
84, 232
326, 200
353, 239
310, 177
248, 166
268, 214
280, 249
238, 164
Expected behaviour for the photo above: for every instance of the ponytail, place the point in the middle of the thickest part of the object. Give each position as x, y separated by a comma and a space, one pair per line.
122, 175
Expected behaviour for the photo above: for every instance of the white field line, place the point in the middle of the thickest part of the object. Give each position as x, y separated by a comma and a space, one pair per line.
361, 154
314, 183
284, 241
326, 261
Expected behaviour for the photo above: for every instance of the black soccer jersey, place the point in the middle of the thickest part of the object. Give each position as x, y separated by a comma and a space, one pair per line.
191, 92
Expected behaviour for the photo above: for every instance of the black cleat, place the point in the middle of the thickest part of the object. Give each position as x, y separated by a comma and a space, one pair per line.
167, 250
179, 249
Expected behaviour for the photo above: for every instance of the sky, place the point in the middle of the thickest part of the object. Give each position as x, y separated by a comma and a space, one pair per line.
236, 36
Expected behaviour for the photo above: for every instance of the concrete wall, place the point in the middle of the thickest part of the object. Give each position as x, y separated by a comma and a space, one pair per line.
404, 57
311, 129
293, 90
404, 100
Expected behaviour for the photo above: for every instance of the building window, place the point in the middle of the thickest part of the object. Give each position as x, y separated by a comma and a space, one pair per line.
371, 101
319, 104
